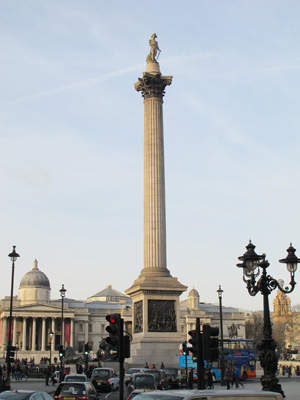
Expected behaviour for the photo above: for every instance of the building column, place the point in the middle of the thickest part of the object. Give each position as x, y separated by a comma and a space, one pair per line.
14, 331
43, 334
24, 333
72, 333
33, 343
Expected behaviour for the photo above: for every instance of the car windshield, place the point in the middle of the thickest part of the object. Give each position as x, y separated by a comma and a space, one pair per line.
155, 373
15, 395
170, 371
133, 370
71, 389
144, 381
104, 373
75, 379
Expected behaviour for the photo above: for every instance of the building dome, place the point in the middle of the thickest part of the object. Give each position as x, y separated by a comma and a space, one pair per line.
35, 278
193, 293
34, 286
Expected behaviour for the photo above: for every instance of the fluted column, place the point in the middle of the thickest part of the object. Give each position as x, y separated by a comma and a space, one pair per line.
14, 331
33, 343
53, 330
43, 334
24, 334
155, 259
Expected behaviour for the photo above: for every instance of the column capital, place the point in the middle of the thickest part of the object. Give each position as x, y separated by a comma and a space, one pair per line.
152, 85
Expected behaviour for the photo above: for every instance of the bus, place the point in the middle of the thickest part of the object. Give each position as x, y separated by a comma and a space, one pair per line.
237, 353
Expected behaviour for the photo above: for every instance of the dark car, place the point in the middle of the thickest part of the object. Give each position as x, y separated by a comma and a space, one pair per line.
142, 381
160, 378
24, 395
75, 391
105, 379
175, 377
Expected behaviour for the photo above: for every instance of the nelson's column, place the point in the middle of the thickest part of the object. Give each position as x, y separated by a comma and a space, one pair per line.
155, 294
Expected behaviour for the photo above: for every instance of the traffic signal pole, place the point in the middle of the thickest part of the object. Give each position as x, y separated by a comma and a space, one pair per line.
121, 360
200, 363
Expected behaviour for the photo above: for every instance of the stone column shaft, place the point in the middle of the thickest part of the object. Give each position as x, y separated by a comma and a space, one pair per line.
33, 334
24, 333
154, 186
43, 334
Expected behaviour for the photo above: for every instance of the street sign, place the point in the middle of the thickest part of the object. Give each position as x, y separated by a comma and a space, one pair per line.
113, 352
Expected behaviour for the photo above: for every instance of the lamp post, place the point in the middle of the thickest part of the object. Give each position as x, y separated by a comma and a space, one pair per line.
62, 295
220, 291
13, 256
256, 278
51, 334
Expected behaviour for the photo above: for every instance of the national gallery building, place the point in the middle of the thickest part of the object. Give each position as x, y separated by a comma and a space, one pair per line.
35, 315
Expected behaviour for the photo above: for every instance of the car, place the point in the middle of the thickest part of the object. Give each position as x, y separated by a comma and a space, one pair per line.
143, 381
75, 391
130, 372
160, 378
105, 379
24, 395
238, 394
174, 377
75, 378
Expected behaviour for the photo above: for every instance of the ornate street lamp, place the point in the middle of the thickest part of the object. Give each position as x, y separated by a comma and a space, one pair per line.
51, 334
220, 291
256, 278
13, 256
62, 295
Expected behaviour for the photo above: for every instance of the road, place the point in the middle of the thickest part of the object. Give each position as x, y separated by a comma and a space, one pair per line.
290, 386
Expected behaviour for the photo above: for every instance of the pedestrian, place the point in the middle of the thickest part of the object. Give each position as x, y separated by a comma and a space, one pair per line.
237, 375
146, 365
48, 374
209, 379
53, 376
227, 378
162, 366
232, 376
190, 377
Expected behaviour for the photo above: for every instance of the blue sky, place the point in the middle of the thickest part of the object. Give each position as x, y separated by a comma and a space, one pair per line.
71, 140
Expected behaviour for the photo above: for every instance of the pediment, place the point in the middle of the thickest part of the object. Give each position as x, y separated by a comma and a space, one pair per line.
42, 307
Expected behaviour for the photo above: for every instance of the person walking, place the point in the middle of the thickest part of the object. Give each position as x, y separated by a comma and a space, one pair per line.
237, 375
48, 374
227, 378
209, 379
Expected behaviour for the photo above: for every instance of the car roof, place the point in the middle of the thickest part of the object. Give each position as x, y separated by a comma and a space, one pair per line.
190, 394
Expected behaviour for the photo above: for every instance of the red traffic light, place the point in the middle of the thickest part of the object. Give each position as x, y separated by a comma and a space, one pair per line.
113, 319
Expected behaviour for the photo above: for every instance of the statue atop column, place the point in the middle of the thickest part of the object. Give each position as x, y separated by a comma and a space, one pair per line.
154, 49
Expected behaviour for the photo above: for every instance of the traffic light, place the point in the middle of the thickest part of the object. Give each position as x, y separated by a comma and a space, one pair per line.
86, 349
184, 349
61, 352
115, 333
10, 355
194, 342
210, 343
126, 341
